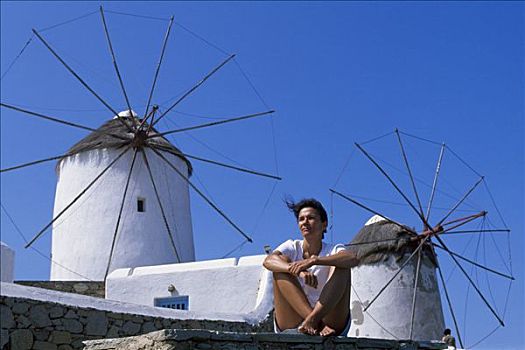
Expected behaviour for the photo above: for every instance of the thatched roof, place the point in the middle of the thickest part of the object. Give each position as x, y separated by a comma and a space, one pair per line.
391, 239
101, 138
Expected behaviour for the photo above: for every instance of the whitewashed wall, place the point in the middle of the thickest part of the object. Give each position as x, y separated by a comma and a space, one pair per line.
82, 236
389, 317
7, 263
224, 285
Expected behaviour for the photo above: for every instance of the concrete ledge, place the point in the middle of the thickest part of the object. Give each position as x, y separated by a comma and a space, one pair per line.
205, 339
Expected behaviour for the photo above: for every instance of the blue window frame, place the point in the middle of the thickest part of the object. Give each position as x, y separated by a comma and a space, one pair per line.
180, 302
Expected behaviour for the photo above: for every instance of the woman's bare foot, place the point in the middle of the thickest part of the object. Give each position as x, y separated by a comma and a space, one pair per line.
309, 326
327, 331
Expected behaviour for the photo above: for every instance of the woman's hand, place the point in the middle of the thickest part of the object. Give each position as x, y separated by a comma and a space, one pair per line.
309, 278
302, 265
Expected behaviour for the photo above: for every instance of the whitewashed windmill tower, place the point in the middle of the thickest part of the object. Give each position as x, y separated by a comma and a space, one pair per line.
98, 234
406, 309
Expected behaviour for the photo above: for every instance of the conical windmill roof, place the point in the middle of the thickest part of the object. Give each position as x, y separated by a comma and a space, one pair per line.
102, 138
380, 239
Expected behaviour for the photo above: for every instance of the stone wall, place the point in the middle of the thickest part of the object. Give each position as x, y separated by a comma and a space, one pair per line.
36, 324
178, 339
92, 289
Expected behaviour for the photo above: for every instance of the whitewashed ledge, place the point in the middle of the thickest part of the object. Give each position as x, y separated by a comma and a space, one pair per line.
180, 339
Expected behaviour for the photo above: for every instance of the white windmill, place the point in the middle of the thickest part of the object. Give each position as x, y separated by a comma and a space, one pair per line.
122, 196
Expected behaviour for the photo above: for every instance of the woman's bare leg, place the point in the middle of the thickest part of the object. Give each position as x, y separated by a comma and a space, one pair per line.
291, 304
332, 309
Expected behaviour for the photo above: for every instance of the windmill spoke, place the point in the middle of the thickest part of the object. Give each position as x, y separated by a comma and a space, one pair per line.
473, 262
36, 162
249, 116
76, 198
115, 61
120, 213
164, 218
158, 66
411, 178
203, 196
470, 280
420, 215
193, 88
370, 210
434, 183
80, 79
253, 172
414, 295
462, 221
57, 120
419, 247
474, 231
460, 201
450, 306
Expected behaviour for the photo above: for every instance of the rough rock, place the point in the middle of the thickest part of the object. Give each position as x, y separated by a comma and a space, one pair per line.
130, 328
56, 312
97, 324
43, 345
71, 314
21, 339
39, 316
20, 308
60, 337
4, 338
6, 317
73, 326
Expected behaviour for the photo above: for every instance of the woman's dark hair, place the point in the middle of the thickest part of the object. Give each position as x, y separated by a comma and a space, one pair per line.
295, 208
447, 331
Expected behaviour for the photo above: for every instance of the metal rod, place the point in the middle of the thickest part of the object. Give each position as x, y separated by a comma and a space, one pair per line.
473, 262
151, 114
450, 306
60, 121
473, 216
106, 31
411, 178
397, 272
203, 196
154, 110
194, 88
393, 184
79, 78
414, 295
474, 231
75, 199
249, 116
158, 65
465, 221
434, 183
120, 214
370, 210
253, 172
469, 279
461, 201
170, 235
35, 162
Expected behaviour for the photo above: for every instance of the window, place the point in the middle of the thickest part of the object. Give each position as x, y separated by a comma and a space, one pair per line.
141, 205
181, 302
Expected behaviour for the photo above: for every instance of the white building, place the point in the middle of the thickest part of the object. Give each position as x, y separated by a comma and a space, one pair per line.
390, 315
83, 236
7, 263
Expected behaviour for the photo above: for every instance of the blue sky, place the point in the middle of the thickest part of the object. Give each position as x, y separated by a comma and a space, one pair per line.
336, 73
